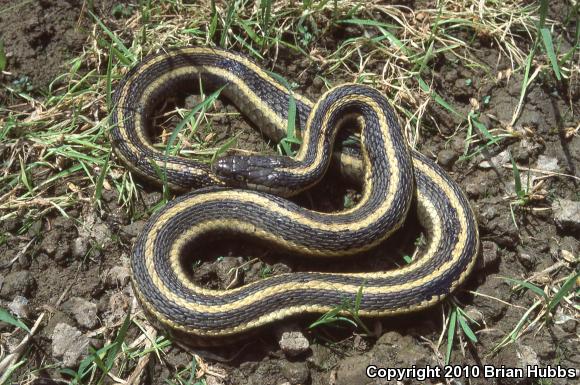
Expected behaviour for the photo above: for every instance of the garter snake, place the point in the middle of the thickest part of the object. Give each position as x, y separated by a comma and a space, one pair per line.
391, 174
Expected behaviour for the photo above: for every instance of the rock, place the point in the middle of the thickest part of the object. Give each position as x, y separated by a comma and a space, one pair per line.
566, 214
55, 245
400, 351
101, 233
476, 315
63, 223
508, 356
133, 229
83, 311
490, 307
19, 307
496, 161
69, 345
94, 230
17, 283
527, 356
526, 150
35, 229
109, 195
211, 380
352, 370
50, 242
473, 190
118, 308
489, 256
446, 158
322, 358
489, 212
79, 247
226, 271
292, 341
116, 276
547, 163
527, 260
295, 372
58, 317
152, 198
10, 225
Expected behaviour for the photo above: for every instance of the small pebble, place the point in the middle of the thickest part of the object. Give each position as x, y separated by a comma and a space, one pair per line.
547, 163
19, 307
496, 161
292, 341
446, 158
17, 283
116, 276
69, 345
566, 214
83, 311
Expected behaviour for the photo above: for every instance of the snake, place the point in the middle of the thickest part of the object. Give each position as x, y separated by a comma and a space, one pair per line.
247, 196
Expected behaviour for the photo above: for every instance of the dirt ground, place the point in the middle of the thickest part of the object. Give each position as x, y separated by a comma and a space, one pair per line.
60, 264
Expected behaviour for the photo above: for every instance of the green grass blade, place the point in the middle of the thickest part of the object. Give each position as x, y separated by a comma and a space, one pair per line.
9, 319
481, 127
290, 138
450, 333
358, 299
266, 15
529, 286
2, 57
565, 289
250, 32
543, 12
370, 22
517, 179
525, 84
549, 45
169, 148
109, 78
118, 341
229, 17
127, 54
425, 87
101, 178
214, 20
465, 327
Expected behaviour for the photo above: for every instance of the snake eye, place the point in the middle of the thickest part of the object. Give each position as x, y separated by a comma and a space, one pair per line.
239, 177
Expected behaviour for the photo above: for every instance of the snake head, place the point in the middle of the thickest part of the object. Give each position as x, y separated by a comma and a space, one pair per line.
260, 173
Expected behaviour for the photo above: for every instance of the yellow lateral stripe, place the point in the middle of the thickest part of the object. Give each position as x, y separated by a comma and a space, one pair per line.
245, 96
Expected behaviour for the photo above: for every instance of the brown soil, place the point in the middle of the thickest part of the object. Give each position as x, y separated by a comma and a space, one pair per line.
89, 245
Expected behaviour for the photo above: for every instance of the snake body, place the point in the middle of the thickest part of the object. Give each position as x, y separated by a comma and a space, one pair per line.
390, 173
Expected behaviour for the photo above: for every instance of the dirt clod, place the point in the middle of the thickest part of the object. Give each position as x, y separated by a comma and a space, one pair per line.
567, 214
490, 255
447, 158
83, 311
69, 344
19, 307
292, 341
117, 276
527, 259
17, 283
352, 370
295, 372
